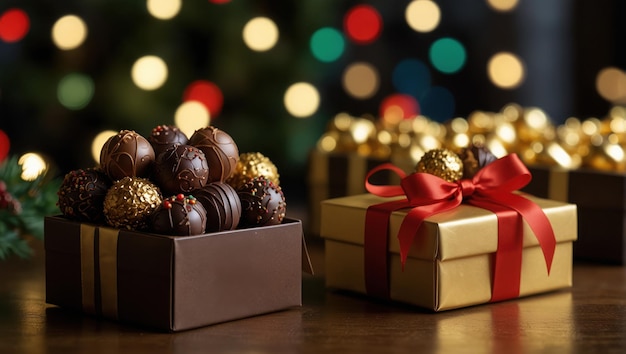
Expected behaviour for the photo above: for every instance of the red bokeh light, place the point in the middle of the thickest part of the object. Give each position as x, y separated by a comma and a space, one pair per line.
4, 145
206, 93
14, 24
219, 1
399, 105
363, 24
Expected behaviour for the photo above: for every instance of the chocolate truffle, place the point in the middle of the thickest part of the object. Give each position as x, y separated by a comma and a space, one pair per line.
81, 195
220, 150
222, 205
250, 165
130, 201
179, 215
126, 154
181, 169
442, 163
262, 203
474, 158
165, 136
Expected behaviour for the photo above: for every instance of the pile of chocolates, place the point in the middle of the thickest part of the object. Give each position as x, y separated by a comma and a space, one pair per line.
173, 185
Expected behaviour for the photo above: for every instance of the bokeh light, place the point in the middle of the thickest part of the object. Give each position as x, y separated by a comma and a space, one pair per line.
506, 70
33, 165
502, 5
301, 99
327, 44
149, 72
14, 25
5, 145
69, 32
98, 142
398, 106
363, 24
206, 93
438, 104
163, 9
75, 91
422, 15
219, 1
191, 116
260, 34
447, 55
611, 84
412, 77
361, 80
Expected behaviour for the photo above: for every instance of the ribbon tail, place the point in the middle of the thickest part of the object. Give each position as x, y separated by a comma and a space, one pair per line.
414, 219
537, 220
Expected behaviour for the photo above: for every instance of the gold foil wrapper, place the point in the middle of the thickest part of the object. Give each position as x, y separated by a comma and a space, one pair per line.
130, 202
251, 165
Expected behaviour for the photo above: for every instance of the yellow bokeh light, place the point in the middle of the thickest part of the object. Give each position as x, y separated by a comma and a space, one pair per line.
33, 165
611, 84
301, 99
502, 5
163, 9
422, 15
506, 70
260, 34
98, 142
360, 80
149, 72
69, 32
191, 116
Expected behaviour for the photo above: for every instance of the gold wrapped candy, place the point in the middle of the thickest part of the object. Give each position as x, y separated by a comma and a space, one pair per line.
251, 165
130, 202
442, 163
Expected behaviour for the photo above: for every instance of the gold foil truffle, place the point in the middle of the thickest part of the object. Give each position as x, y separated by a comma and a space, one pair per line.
130, 202
442, 163
251, 165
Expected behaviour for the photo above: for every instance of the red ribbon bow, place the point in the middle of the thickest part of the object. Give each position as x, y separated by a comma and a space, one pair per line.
491, 188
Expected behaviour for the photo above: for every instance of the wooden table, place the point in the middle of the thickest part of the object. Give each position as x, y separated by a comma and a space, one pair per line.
590, 317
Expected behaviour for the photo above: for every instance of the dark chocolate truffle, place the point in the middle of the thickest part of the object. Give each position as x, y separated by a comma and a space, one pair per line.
81, 195
181, 169
220, 150
262, 203
179, 215
126, 154
474, 158
165, 136
222, 205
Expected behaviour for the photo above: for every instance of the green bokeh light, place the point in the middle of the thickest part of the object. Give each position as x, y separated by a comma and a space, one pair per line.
75, 91
447, 55
327, 44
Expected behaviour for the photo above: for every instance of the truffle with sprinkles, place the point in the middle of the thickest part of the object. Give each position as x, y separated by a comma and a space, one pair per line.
179, 215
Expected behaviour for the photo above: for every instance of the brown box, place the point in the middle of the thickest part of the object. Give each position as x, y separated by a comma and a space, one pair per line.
450, 261
601, 200
173, 283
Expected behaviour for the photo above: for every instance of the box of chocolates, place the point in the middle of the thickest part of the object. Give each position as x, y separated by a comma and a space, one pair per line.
174, 233
443, 241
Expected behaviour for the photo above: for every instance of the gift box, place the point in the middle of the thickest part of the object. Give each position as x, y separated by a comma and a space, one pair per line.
450, 263
443, 244
600, 197
173, 283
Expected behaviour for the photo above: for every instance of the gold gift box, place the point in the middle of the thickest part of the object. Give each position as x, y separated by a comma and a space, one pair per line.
450, 261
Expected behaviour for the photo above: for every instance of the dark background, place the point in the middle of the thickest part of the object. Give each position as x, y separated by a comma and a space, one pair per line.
564, 45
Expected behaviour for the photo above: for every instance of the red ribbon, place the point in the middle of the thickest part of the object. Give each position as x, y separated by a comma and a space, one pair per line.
491, 188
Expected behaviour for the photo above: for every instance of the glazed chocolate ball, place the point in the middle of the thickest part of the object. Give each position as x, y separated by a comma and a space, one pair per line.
179, 215
129, 203
126, 154
220, 150
165, 136
222, 205
262, 203
474, 158
181, 169
81, 195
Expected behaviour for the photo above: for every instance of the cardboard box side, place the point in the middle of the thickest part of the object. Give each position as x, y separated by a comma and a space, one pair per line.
602, 235
209, 287
62, 250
